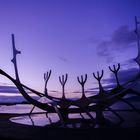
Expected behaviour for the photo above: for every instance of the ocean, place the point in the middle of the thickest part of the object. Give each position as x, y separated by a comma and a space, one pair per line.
42, 118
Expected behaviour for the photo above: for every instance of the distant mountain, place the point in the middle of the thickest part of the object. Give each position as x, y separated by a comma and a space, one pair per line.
13, 99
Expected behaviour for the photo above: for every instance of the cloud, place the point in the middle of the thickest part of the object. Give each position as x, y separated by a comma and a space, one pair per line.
124, 76
54, 91
63, 59
121, 39
5, 84
106, 87
123, 36
8, 89
110, 83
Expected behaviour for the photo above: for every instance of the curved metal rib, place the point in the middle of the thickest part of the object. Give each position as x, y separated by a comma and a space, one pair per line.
48, 118
90, 116
26, 96
116, 114
31, 120
32, 110
60, 116
131, 105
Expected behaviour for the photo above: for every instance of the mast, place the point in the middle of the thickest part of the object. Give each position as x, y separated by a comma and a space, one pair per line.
138, 41
14, 60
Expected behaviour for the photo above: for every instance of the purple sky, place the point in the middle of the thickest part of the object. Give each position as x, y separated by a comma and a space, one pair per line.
67, 36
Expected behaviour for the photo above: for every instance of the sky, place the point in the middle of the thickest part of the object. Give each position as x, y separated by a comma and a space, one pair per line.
68, 36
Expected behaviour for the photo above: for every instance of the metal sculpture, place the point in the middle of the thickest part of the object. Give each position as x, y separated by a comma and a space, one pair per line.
98, 78
63, 81
115, 71
14, 60
46, 79
100, 102
82, 82
138, 40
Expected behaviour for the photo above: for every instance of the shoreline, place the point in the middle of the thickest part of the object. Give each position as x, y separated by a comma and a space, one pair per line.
13, 131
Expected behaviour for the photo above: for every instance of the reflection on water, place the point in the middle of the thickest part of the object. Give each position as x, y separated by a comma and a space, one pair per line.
131, 117
36, 119
49, 119
18, 109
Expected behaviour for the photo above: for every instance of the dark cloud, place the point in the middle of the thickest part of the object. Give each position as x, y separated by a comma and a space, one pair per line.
123, 36
106, 87
121, 39
124, 76
5, 84
76, 92
54, 91
110, 83
63, 59
8, 89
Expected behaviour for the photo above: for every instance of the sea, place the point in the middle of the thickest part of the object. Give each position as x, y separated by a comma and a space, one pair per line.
131, 117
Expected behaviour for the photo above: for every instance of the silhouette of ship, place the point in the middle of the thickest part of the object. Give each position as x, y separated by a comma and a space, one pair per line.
97, 103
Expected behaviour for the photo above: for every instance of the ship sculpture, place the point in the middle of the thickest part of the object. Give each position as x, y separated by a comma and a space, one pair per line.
97, 103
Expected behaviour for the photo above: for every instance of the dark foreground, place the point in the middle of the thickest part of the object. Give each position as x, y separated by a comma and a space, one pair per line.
9, 130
